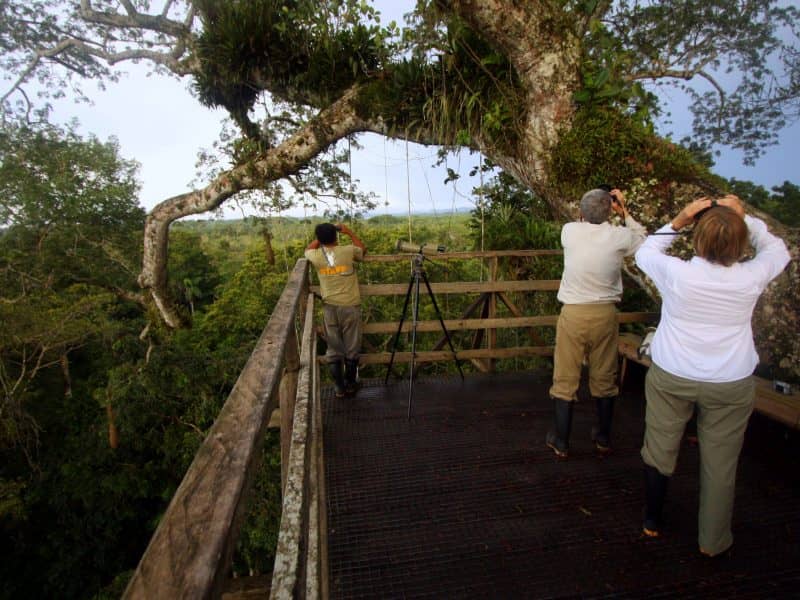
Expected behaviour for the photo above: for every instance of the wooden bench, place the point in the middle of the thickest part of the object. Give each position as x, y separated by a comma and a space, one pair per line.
629, 350
775, 405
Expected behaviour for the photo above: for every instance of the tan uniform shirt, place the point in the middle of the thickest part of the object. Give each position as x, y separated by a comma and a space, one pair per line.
337, 276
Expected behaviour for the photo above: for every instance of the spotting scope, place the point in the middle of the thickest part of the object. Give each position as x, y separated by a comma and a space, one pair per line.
427, 248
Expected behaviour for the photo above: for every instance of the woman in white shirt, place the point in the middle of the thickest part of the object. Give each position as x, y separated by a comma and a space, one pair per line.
703, 354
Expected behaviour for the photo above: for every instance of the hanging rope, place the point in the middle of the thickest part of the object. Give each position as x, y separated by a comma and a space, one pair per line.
351, 193
385, 181
430, 194
306, 220
480, 203
338, 201
408, 193
284, 228
481, 200
455, 193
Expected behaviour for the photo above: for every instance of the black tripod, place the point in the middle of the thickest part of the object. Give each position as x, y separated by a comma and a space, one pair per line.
417, 273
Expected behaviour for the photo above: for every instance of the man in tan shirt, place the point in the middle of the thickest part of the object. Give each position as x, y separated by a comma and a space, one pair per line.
341, 300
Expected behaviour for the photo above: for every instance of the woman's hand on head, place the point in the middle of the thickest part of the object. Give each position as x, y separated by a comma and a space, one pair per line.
686, 216
732, 202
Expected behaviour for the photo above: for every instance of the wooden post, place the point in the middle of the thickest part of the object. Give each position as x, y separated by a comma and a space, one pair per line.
491, 340
537, 339
286, 398
477, 337
290, 557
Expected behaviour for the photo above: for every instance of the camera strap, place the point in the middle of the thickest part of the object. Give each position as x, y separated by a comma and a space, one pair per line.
330, 256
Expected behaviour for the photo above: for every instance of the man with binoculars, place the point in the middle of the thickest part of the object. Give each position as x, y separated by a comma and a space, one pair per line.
341, 300
591, 285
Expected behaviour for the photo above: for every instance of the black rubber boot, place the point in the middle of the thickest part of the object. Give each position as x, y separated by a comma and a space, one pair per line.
601, 433
338, 378
655, 486
558, 439
351, 376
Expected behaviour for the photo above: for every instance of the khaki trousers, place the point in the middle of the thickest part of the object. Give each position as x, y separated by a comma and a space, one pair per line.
343, 331
723, 410
586, 330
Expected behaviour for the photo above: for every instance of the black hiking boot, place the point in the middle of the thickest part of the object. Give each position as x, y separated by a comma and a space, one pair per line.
558, 438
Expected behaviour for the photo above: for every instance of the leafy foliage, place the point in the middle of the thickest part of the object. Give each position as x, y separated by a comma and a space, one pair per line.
64, 258
454, 86
609, 146
316, 61
783, 203
736, 47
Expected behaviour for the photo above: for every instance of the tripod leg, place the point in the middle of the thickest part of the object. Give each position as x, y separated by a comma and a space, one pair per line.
415, 313
441, 322
399, 328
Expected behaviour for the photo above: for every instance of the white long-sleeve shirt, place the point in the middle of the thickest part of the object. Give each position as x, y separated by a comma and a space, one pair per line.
593, 256
705, 332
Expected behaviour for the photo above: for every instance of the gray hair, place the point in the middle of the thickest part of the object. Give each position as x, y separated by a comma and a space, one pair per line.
595, 206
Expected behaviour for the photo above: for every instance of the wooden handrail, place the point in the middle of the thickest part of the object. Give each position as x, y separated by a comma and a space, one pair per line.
496, 323
462, 287
464, 255
190, 552
301, 502
485, 327
421, 356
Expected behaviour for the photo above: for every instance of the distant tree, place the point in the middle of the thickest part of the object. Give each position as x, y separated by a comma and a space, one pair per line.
786, 200
68, 254
752, 193
552, 92
783, 203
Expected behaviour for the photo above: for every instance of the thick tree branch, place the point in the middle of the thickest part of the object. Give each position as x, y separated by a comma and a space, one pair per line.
332, 124
510, 27
134, 20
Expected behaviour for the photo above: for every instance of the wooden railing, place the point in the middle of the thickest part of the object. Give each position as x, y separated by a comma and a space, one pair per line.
480, 316
301, 562
190, 553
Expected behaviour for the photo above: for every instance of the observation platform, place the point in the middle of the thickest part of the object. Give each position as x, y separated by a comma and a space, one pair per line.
463, 500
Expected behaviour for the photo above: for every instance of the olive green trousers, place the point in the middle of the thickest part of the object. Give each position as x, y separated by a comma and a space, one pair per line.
723, 410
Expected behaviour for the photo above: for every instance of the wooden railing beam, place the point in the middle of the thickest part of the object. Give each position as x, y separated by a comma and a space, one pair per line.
286, 398
381, 258
496, 323
491, 339
382, 358
190, 552
290, 560
461, 287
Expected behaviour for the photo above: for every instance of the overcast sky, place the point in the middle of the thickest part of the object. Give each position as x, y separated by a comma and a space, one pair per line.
159, 124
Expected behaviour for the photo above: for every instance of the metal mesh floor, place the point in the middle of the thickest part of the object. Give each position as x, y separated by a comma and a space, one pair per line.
464, 500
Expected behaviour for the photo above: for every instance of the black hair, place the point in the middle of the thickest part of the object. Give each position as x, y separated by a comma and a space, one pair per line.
326, 233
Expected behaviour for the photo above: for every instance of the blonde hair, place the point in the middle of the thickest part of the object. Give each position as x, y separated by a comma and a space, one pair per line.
720, 236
